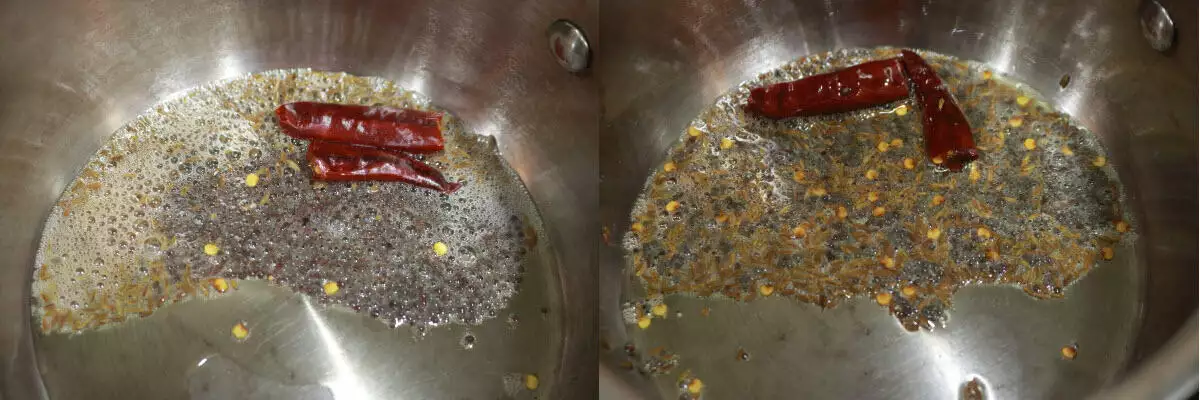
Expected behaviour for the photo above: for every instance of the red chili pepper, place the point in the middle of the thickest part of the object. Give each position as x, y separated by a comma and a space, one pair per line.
345, 162
947, 132
864, 85
413, 131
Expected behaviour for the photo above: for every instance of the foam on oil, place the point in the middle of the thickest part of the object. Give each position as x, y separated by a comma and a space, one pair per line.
130, 234
827, 208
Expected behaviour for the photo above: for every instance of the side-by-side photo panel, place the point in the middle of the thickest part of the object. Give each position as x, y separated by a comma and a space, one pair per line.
894, 200
298, 200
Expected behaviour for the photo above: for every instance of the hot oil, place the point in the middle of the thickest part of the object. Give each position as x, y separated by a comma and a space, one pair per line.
830, 208
161, 249
168, 206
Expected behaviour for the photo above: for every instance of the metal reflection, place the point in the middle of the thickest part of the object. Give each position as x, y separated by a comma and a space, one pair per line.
345, 383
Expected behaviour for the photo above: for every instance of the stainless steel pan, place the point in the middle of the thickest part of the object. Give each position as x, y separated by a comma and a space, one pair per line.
662, 62
74, 71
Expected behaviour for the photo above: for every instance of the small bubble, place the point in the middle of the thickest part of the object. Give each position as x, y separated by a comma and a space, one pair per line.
467, 341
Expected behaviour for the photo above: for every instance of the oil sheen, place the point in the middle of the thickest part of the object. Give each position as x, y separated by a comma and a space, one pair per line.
204, 191
824, 209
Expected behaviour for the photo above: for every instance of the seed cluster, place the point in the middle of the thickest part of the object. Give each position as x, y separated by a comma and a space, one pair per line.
828, 208
205, 190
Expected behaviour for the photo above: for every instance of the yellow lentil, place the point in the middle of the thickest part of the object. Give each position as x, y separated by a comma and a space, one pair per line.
659, 310
888, 262
1069, 352
884, 298
933, 233
252, 180
220, 285
240, 331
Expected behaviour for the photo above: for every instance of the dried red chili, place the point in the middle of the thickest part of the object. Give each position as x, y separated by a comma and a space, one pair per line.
344, 162
948, 138
947, 132
864, 85
408, 130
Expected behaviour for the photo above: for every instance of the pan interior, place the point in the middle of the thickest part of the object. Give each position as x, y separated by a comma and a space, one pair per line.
840, 224
200, 216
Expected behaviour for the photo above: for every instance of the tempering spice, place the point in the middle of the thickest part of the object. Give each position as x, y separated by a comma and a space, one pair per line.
205, 190
822, 209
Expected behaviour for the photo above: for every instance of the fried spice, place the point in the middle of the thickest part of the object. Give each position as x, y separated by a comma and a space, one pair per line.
823, 209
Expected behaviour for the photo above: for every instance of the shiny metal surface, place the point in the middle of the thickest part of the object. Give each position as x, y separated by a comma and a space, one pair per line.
569, 45
1157, 26
663, 62
75, 71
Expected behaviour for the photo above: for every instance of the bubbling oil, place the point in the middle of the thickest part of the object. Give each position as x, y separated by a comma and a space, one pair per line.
167, 210
828, 208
